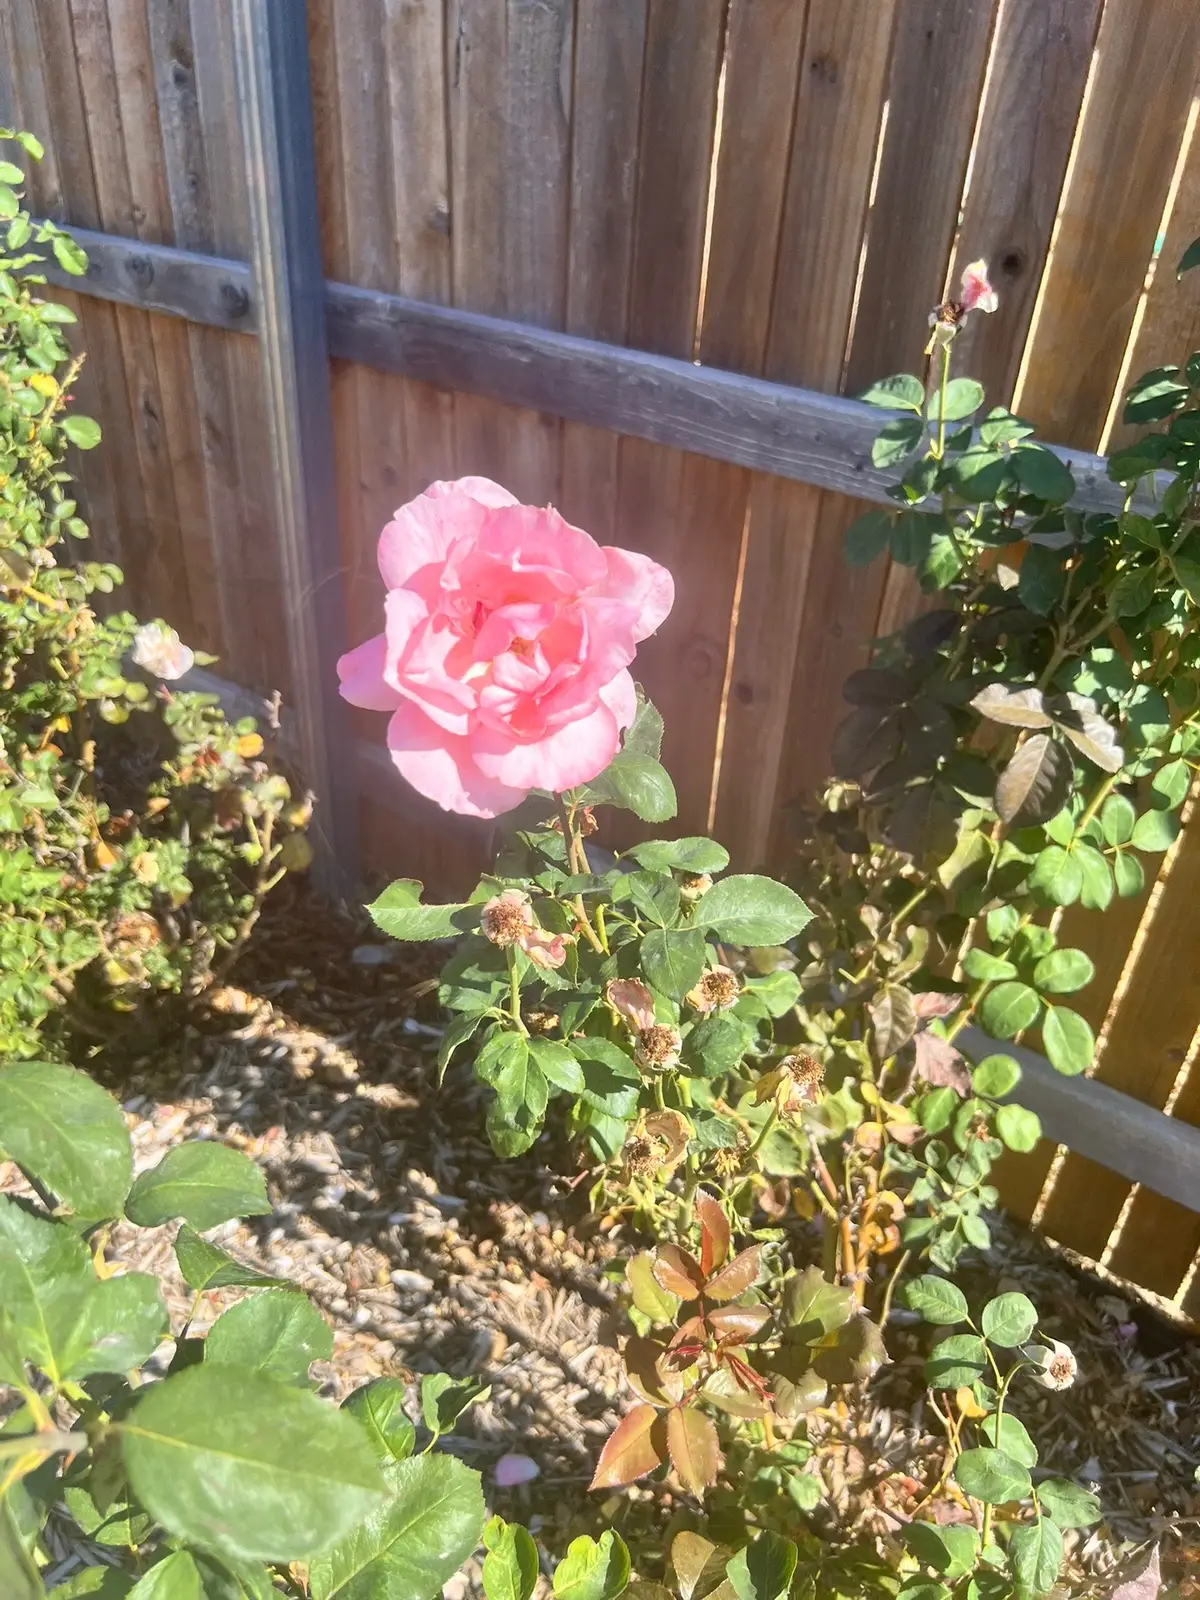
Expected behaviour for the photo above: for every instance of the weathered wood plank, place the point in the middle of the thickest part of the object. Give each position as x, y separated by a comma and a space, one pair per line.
610, 39
1038, 71
840, 90
1148, 60
210, 290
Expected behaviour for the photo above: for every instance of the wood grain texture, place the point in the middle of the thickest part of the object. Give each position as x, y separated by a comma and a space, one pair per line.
610, 40
683, 666
1146, 72
839, 94
1038, 71
1147, 1042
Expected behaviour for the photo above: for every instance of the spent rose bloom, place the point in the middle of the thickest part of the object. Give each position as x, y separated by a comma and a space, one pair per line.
1055, 1364
631, 1000
508, 638
160, 650
508, 920
717, 989
976, 293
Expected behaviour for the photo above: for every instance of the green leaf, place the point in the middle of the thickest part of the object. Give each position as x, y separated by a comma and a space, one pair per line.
764, 1568
114, 1325
1036, 783
510, 1568
951, 1550
1117, 820
444, 1399
964, 396
1035, 1554
812, 1307
982, 966
1155, 395
458, 1031
937, 1300
98, 1583
279, 1333
1189, 259
1009, 1320
649, 1296
989, 1475
902, 392
408, 1548
638, 783
912, 537
207, 1266
379, 1407
956, 1361
1057, 878
715, 1045
1068, 1040
234, 1462
203, 1182
176, 1578
751, 910
612, 1083
59, 1125
1009, 1433
1128, 874
693, 855
1153, 831
1008, 1009
867, 538
83, 432
1068, 1504
593, 1569
1019, 1128
1041, 579
68, 255
1063, 972
936, 1109
1041, 473
10, 173
996, 1076
399, 912
557, 1065
645, 736
1170, 784
896, 440
1097, 891
673, 959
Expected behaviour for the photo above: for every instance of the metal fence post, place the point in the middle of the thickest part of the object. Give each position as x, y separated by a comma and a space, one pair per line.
275, 108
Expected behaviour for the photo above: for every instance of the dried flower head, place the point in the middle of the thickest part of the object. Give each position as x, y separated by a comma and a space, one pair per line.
717, 989
643, 1155
1054, 1364
657, 1047
632, 1001
159, 650
546, 949
507, 918
694, 885
728, 1163
541, 1021
805, 1073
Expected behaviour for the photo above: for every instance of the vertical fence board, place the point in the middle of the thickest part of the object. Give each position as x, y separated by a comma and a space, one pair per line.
1146, 72
683, 667
840, 90
610, 40
1038, 73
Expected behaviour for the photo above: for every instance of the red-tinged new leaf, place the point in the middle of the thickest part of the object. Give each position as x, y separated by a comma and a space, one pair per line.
695, 1452
741, 1322
933, 1003
714, 1233
736, 1278
940, 1064
678, 1272
631, 1451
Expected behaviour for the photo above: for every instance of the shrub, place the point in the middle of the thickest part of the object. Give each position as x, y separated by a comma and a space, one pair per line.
224, 1474
725, 1059
139, 830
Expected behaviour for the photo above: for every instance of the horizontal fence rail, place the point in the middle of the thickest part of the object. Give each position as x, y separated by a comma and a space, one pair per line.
809, 437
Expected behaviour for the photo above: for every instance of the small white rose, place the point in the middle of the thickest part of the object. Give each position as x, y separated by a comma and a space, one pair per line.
159, 650
1055, 1366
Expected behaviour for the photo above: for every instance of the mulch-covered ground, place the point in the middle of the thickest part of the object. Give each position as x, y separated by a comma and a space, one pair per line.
426, 1252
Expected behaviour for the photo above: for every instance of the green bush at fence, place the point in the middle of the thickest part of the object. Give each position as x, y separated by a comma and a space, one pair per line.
139, 830
731, 1058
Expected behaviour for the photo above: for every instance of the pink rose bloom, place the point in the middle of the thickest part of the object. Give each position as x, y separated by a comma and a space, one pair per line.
505, 655
977, 293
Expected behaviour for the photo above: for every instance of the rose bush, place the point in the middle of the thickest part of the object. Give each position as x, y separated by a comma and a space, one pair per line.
505, 652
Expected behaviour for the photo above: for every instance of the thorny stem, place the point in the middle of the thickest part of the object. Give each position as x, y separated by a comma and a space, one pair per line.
577, 862
514, 991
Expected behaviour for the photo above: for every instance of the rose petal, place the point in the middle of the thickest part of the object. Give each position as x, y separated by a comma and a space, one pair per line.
439, 765
512, 1470
634, 577
559, 760
422, 531
360, 672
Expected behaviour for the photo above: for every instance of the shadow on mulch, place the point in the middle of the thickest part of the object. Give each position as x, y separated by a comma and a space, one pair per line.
428, 1253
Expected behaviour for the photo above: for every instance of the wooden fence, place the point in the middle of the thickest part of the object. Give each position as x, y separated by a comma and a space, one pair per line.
614, 253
